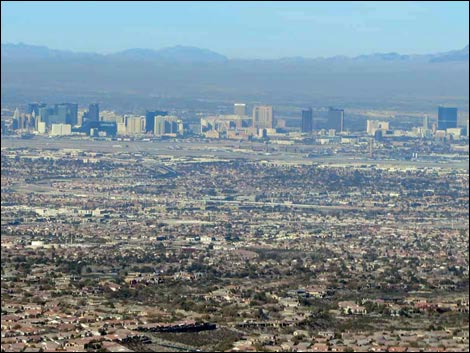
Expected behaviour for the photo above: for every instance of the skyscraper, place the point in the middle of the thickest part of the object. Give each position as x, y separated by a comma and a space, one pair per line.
45, 112
66, 113
426, 123
335, 119
263, 117
167, 125
60, 114
446, 118
73, 114
93, 113
34, 107
134, 125
150, 119
307, 120
239, 109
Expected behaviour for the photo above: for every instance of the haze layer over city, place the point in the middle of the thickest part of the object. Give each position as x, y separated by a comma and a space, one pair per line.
234, 176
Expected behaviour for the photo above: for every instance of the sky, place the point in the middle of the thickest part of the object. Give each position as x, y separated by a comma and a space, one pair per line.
241, 29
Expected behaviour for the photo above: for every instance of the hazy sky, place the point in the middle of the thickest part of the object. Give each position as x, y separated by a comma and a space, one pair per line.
241, 29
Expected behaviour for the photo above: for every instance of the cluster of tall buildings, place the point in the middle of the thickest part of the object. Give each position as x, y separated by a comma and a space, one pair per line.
63, 113
43, 117
150, 119
446, 126
334, 121
64, 119
167, 125
157, 123
240, 125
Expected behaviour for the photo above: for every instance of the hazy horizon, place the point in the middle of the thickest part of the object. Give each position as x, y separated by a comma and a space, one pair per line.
320, 29
230, 58
235, 176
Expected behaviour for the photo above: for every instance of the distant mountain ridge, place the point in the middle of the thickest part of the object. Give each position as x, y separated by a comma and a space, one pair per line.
177, 53
36, 73
455, 55
38, 52
189, 54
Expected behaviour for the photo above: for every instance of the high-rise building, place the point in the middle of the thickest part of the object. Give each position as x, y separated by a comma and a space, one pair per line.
45, 112
34, 107
165, 125
150, 119
307, 120
426, 123
65, 113
263, 117
73, 114
81, 117
22, 121
41, 127
16, 114
335, 119
60, 116
18, 121
239, 109
93, 113
446, 118
61, 129
135, 125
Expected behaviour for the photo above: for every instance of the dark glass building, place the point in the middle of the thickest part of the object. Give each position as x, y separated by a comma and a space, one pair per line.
446, 118
307, 120
34, 107
150, 119
72, 113
93, 113
46, 113
335, 119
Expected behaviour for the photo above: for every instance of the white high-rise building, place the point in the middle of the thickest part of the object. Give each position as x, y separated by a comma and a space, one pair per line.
61, 129
426, 123
121, 129
135, 125
16, 114
41, 127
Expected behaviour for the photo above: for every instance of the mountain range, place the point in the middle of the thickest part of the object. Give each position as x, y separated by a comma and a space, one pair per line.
390, 79
189, 54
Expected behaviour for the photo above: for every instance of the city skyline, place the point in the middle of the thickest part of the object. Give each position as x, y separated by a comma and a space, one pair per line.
301, 185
